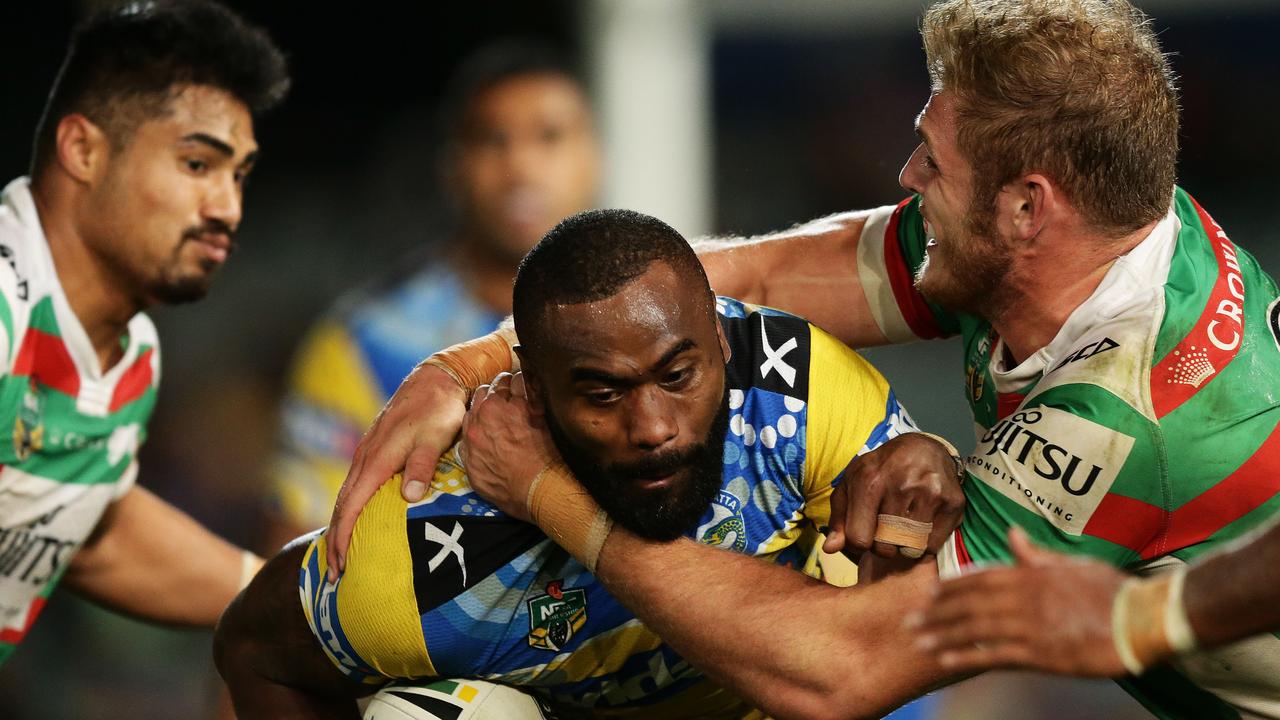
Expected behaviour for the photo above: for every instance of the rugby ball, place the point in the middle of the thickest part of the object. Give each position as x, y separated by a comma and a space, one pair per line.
452, 700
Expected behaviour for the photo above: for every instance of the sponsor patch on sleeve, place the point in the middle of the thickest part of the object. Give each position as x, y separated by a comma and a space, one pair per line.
1051, 462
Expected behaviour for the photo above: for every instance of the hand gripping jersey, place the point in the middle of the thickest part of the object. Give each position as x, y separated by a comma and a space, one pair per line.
346, 370
70, 431
1144, 434
449, 587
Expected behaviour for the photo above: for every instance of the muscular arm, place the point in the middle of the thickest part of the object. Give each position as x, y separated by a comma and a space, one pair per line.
269, 658
794, 646
1236, 594
151, 560
995, 618
810, 270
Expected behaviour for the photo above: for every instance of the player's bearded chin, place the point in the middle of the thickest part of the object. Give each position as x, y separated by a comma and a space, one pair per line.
963, 270
653, 514
176, 286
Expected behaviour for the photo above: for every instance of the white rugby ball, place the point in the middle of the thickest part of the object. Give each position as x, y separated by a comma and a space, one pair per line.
452, 700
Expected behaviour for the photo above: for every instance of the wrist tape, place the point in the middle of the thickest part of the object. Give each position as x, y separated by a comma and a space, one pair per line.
476, 362
568, 514
1149, 620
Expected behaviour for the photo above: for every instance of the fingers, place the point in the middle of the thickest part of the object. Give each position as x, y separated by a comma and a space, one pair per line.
1027, 552
976, 658
501, 385
910, 537
835, 541
866, 491
945, 522
480, 395
418, 471
517, 385
364, 478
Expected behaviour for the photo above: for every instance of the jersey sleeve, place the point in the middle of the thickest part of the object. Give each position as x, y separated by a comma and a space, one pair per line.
367, 622
852, 410
332, 397
429, 589
890, 252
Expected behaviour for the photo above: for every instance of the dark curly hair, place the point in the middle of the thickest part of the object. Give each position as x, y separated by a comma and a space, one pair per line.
123, 64
591, 256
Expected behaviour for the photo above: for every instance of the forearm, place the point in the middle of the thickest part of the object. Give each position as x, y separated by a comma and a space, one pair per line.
810, 270
794, 646
151, 560
1236, 594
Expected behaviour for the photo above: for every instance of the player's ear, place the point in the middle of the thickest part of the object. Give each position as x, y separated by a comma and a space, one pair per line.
532, 385
81, 148
725, 350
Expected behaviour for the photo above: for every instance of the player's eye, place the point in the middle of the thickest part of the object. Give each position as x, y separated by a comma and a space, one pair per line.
927, 161
196, 165
603, 397
677, 378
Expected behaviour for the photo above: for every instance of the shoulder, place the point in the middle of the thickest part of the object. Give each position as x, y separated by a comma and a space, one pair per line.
769, 349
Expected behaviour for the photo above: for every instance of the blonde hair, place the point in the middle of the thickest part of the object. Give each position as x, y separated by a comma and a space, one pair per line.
1075, 89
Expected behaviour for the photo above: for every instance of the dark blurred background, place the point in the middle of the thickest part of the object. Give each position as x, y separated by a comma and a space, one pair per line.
720, 116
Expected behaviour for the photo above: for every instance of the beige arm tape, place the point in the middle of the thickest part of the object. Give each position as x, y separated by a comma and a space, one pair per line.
568, 514
475, 362
1149, 620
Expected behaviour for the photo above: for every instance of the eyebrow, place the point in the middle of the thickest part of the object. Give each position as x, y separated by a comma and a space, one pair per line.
589, 374
212, 142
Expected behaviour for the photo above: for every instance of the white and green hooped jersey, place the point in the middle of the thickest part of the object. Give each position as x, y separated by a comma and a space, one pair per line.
1144, 434
69, 433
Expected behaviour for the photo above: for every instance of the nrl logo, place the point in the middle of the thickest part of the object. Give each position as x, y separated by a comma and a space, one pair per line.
28, 428
556, 616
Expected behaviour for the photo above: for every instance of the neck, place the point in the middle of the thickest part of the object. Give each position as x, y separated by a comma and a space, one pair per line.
1048, 280
96, 294
486, 273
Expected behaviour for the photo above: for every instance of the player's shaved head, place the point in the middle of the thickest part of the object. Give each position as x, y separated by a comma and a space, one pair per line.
591, 256
622, 351
126, 64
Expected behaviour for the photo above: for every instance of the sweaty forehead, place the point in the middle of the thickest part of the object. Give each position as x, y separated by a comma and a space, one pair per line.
645, 315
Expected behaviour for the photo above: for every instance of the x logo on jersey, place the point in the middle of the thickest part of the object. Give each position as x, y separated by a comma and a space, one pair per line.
449, 545
773, 358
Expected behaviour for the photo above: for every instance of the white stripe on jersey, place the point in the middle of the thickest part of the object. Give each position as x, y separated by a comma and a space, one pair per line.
874, 277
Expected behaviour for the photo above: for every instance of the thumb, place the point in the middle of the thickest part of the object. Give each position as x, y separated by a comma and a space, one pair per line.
1027, 552
419, 469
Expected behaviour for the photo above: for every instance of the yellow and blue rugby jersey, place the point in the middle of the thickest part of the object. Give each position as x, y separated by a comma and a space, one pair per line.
349, 365
450, 587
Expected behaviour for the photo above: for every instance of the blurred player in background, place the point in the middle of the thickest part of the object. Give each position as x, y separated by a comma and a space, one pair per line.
134, 199
520, 154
